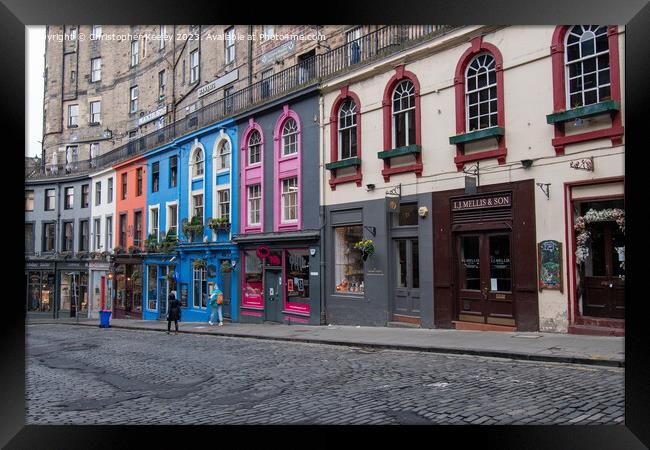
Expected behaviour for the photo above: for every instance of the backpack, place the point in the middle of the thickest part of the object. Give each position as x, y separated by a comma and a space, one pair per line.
220, 299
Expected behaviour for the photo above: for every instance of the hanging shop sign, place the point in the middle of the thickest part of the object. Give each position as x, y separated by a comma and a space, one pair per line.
263, 252
549, 254
494, 201
217, 83
152, 115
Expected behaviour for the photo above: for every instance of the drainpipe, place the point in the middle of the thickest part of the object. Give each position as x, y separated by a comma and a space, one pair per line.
323, 231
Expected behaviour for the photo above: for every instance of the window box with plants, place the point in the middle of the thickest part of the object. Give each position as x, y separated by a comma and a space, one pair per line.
199, 264
581, 112
151, 244
193, 229
218, 224
134, 250
168, 245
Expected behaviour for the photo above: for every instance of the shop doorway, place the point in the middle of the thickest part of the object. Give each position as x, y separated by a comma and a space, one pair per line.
273, 295
407, 278
484, 278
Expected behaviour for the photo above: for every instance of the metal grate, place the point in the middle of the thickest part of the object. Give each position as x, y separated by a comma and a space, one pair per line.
481, 215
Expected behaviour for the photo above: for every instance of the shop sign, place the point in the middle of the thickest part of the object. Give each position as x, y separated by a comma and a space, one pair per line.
583, 164
184, 291
278, 53
152, 115
212, 86
495, 201
263, 252
549, 254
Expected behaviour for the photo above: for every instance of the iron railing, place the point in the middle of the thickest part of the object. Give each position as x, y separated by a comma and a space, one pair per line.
373, 46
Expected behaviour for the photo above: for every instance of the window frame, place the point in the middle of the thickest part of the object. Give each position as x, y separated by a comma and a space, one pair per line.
194, 68
251, 174
97, 113
133, 103
173, 170
229, 45
85, 196
67, 239
139, 181
289, 166
196, 164
250, 209
47, 197
287, 195
135, 52
221, 155
477, 90
97, 233
98, 193
223, 204
154, 225
76, 116
84, 238
395, 115
109, 190
109, 232
44, 237
29, 198
155, 176
68, 198
95, 72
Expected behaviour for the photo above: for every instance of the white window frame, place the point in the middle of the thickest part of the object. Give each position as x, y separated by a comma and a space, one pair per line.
258, 144
267, 31
70, 116
98, 113
221, 204
194, 194
202, 282
250, 201
404, 111
162, 83
135, 52
97, 233
98, 193
95, 72
351, 36
581, 61
109, 232
95, 34
194, 66
221, 155
162, 34
168, 222
288, 134
490, 62
284, 196
133, 104
194, 165
352, 127
150, 222
229, 42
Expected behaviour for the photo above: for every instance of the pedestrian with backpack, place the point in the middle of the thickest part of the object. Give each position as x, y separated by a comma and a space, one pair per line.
216, 303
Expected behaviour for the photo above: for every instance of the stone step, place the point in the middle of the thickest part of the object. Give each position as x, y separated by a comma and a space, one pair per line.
403, 325
474, 326
591, 330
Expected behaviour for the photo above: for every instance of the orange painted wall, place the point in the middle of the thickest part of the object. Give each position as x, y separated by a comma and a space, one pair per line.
132, 202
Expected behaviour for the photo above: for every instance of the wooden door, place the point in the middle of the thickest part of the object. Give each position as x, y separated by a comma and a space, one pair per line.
407, 277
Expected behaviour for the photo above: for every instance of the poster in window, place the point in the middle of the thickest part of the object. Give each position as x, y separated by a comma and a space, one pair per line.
550, 265
290, 285
184, 295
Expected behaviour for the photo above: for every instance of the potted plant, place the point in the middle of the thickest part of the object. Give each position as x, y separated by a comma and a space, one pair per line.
226, 267
104, 255
82, 255
134, 250
151, 244
118, 250
194, 228
218, 223
366, 247
168, 245
199, 264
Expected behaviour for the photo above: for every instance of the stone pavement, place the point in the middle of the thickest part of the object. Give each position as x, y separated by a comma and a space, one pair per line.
534, 346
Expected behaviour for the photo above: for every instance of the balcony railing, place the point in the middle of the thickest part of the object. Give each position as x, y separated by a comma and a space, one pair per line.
379, 44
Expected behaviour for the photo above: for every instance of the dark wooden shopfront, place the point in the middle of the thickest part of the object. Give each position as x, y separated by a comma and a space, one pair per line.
128, 280
485, 264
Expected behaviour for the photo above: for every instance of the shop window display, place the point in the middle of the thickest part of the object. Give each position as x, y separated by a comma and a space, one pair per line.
348, 264
40, 291
296, 268
252, 277
152, 287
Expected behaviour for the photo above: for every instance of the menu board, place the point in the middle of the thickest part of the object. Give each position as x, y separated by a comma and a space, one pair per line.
549, 254
184, 295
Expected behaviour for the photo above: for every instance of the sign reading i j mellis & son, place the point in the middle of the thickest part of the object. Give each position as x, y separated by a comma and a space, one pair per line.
500, 200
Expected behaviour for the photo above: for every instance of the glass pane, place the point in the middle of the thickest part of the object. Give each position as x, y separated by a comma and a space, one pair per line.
603, 77
297, 274
415, 252
411, 125
601, 43
152, 287
589, 65
470, 262
348, 264
408, 214
400, 130
590, 97
604, 93
603, 61
618, 250
572, 52
587, 47
401, 263
575, 69
500, 276
589, 81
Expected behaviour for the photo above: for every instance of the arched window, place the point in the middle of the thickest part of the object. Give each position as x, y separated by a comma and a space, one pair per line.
223, 161
587, 65
197, 163
254, 147
481, 93
347, 129
289, 137
404, 114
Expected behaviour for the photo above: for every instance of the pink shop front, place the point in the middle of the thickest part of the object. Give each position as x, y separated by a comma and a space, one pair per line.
280, 282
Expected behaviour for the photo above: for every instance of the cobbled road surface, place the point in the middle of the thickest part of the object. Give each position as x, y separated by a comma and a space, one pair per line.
85, 375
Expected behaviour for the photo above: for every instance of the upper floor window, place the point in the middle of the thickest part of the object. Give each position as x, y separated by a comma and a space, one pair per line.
289, 137
194, 66
109, 193
155, 176
404, 114
73, 34
197, 206
254, 147
98, 193
254, 199
73, 115
161, 84
135, 52
138, 191
50, 199
134, 99
68, 198
68, 237
154, 226
97, 234
228, 99
224, 155
348, 129
267, 31
224, 204
197, 163
481, 93
83, 235
163, 34
354, 45
124, 186
230, 45
95, 69
97, 32
290, 199
48, 244
29, 238
29, 200
85, 193
95, 112
587, 65
173, 170
94, 153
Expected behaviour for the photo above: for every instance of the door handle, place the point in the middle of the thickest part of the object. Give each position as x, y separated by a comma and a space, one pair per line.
484, 291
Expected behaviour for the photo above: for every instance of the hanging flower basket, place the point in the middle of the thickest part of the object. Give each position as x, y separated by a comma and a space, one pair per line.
225, 266
366, 247
583, 236
199, 264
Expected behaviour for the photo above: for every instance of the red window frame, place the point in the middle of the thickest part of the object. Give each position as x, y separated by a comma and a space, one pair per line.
345, 94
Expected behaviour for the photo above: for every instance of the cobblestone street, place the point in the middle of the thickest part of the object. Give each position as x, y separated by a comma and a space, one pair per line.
84, 375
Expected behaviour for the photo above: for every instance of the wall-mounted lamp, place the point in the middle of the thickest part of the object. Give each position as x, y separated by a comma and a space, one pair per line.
423, 211
526, 163
370, 187
108, 133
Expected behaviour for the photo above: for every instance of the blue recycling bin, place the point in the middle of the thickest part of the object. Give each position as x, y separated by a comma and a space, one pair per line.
104, 319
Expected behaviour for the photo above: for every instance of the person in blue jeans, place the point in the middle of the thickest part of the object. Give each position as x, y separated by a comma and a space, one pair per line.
216, 303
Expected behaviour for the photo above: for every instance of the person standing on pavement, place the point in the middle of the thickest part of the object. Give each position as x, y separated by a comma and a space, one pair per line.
216, 303
174, 313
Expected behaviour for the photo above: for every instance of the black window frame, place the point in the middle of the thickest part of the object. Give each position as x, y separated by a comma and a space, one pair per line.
173, 171
155, 176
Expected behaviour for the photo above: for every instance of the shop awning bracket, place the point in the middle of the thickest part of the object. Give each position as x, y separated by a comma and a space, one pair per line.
545, 189
371, 230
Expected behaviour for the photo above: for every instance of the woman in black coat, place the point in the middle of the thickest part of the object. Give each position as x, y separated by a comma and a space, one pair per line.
174, 312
